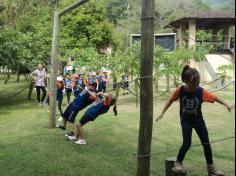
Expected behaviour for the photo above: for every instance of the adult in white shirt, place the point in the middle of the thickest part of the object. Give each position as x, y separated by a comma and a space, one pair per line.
39, 76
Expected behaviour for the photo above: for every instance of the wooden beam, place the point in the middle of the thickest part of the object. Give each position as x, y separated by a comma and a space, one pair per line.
54, 60
72, 7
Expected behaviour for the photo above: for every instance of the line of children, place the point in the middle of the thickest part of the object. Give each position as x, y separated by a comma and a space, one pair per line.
95, 110
191, 97
76, 85
80, 102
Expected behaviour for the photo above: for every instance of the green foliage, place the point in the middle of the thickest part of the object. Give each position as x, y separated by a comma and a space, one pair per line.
117, 10
224, 70
26, 34
85, 27
171, 63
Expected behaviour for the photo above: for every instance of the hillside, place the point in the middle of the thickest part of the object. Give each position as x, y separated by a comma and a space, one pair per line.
219, 4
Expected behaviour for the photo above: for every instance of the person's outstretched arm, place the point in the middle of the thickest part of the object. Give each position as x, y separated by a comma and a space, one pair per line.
173, 98
167, 105
229, 107
211, 98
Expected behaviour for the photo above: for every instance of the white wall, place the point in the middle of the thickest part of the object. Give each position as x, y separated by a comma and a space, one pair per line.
215, 60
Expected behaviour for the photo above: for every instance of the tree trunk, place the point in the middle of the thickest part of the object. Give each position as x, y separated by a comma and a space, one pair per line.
31, 87
167, 83
8, 76
18, 73
146, 87
114, 82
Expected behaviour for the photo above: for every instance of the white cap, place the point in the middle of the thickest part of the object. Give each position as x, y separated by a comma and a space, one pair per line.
59, 78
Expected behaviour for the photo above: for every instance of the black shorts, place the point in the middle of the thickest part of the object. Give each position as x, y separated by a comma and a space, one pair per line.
68, 91
70, 113
126, 85
85, 119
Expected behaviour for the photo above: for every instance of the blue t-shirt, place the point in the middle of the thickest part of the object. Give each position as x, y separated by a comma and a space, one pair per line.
125, 78
91, 80
97, 109
67, 84
81, 83
82, 100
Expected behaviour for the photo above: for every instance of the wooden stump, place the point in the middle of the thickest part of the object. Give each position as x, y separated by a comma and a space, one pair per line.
31, 87
175, 173
169, 163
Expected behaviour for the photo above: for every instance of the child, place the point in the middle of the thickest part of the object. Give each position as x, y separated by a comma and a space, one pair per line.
92, 113
74, 84
80, 102
82, 82
191, 97
68, 87
60, 87
105, 80
125, 81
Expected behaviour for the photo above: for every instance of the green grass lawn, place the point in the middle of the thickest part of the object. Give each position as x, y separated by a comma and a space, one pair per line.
29, 148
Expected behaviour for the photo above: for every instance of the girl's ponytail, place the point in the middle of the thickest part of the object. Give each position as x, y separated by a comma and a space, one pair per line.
113, 103
183, 77
115, 110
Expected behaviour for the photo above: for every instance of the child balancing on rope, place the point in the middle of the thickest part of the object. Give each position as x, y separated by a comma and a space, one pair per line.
191, 97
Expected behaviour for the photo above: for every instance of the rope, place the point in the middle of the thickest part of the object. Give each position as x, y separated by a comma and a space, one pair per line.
193, 146
221, 88
212, 81
11, 96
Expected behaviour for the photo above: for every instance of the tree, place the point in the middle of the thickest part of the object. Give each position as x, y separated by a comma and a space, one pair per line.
86, 27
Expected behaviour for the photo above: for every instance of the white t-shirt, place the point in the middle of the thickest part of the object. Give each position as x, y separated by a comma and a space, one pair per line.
40, 77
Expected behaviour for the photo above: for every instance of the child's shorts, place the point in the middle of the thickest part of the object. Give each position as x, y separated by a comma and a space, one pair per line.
70, 113
85, 119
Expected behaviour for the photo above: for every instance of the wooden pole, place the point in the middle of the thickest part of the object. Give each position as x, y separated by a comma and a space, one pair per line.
54, 70
54, 60
146, 87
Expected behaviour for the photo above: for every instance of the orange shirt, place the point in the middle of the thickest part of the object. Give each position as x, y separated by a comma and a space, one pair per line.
206, 96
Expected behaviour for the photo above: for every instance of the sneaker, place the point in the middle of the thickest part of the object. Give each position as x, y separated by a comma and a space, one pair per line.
72, 138
40, 104
61, 127
80, 142
71, 133
178, 167
213, 172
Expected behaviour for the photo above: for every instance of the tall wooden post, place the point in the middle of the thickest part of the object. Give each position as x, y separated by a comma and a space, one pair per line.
54, 70
54, 59
146, 88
